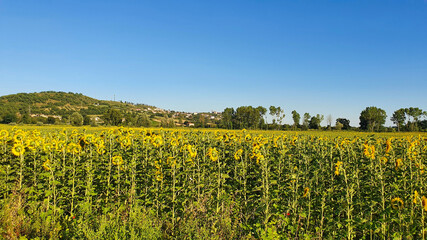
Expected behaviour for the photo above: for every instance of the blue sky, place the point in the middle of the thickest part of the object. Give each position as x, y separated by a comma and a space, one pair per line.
327, 57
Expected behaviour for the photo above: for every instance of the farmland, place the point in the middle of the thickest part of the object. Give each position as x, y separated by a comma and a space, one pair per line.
136, 183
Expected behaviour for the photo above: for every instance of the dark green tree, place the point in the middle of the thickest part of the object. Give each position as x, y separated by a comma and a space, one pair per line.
399, 118
372, 118
306, 121
315, 121
261, 111
86, 120
345, 123
26, 118
113, 117
415, 113
9, 118
50, 120
296, 117
227, 118
76, 119
142, 120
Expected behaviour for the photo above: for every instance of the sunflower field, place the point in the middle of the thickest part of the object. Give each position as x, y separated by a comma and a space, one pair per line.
124, 183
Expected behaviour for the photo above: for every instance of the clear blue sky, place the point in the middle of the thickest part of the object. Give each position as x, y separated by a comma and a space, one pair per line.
327, 57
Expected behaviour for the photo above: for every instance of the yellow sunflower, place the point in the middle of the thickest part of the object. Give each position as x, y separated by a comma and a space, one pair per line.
238, 154
18, 149
306, 191
117, 160
4, 134
397, 203
213, 154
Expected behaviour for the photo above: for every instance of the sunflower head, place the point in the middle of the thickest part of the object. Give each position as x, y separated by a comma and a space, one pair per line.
4, 134
157, 141
213, 154
397, 203
306, 192
424, 203
117, 160
19, 136
398, 163
18, 149
238, 154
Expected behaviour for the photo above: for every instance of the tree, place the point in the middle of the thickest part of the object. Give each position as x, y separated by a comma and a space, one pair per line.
50, 120
142, 120
344, 122
167, 122
113, 117
296, 117
227, 118
315, 121
306, 120
200, 121
9, 117
26, 118
278, 115
372, 118
399, 118
244, 117
338, 125
415, 113
423, 124
86, 120
261, 111
76, 119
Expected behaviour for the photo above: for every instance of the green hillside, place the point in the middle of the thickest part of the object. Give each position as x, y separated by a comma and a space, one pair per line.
58, 107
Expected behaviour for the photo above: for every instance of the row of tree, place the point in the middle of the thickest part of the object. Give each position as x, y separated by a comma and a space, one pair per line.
371, 119
248, 117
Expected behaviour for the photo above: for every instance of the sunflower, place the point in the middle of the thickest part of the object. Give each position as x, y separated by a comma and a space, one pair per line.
157, 141
398, 163
306, 192
31, 144
388, 145
159, 176
19, 136
192, 151
259, 157
238, 154
100, 149
397, 203
125, 142
60, 146
46, 165
73, 148
18, 149
416, 195
213, 154
174, 142
89, 138
369, 151
117, 160
4, 134
338, 167
424, 203
48, 147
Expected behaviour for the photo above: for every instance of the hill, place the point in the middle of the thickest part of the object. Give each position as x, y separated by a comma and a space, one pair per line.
57, 107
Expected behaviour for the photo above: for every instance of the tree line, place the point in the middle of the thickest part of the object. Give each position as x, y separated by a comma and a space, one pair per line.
371, 119
244, 117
